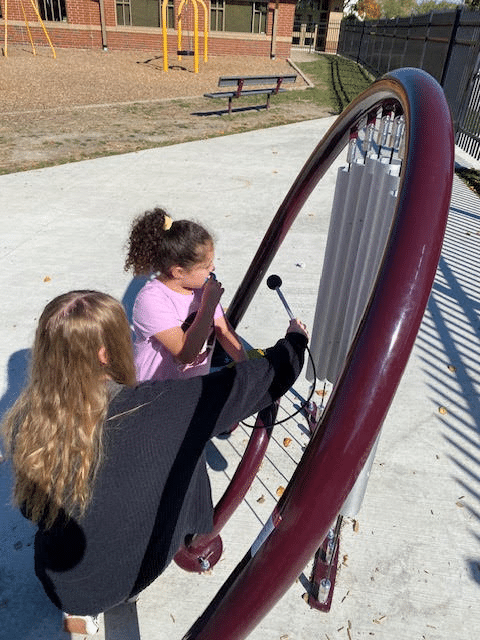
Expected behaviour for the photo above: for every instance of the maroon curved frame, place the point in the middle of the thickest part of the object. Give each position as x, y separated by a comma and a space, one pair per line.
205, 550
376, 361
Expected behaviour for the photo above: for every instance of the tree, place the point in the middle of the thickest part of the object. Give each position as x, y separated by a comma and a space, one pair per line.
427, 6
397, 8
472, 4
401, 8
368, 10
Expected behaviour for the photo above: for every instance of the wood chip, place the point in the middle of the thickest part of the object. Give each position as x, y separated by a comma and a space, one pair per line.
356, 526
379, 620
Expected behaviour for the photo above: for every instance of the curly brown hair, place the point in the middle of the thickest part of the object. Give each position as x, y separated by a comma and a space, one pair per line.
153, 249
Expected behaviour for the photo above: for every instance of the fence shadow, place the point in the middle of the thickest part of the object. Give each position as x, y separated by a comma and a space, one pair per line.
449, 343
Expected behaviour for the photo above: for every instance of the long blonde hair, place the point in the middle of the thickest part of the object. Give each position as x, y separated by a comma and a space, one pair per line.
54, 430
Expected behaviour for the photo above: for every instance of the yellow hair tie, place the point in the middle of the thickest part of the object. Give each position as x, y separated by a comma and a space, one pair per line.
167, 223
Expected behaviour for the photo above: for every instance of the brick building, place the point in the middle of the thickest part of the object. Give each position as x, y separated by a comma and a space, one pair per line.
237, 27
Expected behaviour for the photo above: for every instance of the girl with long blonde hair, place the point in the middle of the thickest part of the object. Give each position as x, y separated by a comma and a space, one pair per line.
55, 428
112, 472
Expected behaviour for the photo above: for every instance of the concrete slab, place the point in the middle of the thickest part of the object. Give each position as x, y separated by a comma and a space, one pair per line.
410, 565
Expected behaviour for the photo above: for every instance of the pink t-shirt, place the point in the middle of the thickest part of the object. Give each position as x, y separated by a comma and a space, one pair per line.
158, 308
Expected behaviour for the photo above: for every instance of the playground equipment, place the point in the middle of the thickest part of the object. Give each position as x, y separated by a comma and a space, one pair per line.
375, 340
27, 26
190, 8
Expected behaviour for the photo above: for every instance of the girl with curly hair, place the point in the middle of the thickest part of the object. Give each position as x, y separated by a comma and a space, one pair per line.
176, 315
113, 473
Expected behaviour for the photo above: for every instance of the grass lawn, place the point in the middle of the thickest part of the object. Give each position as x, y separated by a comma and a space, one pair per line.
344, 78
471, 177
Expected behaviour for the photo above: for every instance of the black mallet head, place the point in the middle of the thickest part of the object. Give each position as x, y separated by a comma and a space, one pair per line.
273, 282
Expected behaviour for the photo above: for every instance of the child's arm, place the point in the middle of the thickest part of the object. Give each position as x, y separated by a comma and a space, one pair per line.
186, 345
229, 340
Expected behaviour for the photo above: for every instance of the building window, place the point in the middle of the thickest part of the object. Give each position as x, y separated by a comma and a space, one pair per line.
259, 22
170, 14
217, 15
124, 12
52, 10
238, 15
143, 13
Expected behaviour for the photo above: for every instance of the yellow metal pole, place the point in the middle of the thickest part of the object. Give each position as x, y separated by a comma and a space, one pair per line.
179, 27
205, 31
43, 27
28, 28
164, 33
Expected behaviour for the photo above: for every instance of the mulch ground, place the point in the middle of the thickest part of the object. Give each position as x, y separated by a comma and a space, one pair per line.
88, 103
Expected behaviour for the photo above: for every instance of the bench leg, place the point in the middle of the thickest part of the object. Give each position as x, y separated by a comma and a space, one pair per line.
268, 100
229, 104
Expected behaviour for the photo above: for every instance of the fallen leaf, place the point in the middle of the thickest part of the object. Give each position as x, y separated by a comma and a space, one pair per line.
379, 620
47, 279
356, 526
451, 367
261, 499
280, 490
286, 442
320, 392
442, 410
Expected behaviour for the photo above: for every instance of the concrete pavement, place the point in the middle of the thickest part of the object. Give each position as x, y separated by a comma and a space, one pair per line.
410, 567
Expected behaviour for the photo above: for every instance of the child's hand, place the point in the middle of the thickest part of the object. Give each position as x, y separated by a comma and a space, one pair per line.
212, 292
296, 326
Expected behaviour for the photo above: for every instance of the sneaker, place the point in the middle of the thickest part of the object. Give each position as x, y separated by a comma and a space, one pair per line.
80, 624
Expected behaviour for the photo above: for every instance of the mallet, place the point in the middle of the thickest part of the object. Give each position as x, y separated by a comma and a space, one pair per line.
274, 282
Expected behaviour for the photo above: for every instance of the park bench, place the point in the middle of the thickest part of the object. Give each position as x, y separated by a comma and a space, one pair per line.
240, 82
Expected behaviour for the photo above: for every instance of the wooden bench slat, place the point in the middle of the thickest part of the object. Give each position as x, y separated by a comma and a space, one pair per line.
252, 80
233, 94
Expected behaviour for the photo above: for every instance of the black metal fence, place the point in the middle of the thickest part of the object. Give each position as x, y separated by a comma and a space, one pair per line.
316, 36
445, 44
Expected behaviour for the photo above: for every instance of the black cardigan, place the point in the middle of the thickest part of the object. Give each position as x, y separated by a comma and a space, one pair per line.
152, 488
